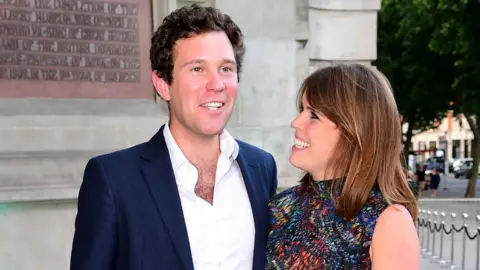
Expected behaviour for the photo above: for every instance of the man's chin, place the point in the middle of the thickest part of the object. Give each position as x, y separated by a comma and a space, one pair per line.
213, 126
211, 129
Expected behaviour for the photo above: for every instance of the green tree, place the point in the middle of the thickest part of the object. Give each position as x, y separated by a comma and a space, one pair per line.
457, 35
421, 78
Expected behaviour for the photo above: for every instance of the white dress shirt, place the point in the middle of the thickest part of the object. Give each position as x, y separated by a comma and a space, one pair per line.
221, 235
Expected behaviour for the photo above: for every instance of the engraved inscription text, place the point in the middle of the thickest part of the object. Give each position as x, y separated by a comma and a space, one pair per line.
69, 40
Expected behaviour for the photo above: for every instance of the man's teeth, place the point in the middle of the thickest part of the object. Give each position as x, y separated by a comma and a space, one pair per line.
213, 105
301, 144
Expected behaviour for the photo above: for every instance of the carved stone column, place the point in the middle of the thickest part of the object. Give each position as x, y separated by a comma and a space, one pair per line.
342, 31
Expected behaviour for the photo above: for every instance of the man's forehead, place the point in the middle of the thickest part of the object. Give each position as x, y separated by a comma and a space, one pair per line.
207, 46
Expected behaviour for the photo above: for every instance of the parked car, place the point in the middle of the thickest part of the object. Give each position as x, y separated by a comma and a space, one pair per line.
465, 169
458, 163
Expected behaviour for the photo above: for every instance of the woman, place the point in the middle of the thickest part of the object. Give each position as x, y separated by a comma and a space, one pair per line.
353, 208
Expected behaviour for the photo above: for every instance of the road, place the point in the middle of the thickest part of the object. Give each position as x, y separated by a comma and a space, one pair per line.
451, 201
455, 188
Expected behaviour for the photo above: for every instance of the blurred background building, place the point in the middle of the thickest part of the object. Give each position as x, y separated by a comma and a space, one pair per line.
452, 134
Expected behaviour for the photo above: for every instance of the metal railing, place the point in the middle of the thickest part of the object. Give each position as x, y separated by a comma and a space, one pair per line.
448, 240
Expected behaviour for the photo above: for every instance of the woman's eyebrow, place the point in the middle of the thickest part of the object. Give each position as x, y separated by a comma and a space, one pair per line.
313, 110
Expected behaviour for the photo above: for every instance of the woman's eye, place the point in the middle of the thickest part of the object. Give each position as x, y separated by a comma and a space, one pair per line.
313, 115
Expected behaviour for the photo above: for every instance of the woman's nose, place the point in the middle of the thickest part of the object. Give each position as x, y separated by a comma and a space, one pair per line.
296, 122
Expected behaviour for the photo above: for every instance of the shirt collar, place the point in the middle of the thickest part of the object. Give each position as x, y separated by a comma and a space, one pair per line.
228, 147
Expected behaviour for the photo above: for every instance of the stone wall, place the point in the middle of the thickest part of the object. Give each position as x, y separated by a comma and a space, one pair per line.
36, 235
45, 142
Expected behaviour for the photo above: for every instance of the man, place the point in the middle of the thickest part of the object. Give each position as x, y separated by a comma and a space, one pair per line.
420, 175
192, 197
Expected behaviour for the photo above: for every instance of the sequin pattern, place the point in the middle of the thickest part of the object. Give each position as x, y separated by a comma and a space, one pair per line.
305, 233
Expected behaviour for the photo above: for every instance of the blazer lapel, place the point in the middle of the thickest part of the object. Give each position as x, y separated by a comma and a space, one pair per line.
160, 179
250, 174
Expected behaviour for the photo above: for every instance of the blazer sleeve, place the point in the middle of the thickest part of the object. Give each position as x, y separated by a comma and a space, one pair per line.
94, 240
274, 181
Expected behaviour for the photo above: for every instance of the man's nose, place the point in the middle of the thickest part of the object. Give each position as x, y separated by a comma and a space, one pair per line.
215, 82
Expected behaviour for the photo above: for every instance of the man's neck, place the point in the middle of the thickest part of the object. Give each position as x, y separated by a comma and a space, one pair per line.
196, 148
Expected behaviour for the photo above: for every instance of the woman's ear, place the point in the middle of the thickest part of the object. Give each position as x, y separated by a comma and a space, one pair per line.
161, 86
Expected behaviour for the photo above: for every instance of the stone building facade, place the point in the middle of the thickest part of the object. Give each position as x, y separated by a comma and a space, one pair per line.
74, 83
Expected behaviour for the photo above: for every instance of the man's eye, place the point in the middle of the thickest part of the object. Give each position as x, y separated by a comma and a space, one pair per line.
197, 69
227, 69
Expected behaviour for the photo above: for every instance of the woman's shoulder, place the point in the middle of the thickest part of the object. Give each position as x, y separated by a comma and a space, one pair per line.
285, 197
376, 205
376, 202
286, 194
283, 207
395, 238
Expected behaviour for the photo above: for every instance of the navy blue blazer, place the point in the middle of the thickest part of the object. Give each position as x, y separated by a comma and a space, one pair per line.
129, 212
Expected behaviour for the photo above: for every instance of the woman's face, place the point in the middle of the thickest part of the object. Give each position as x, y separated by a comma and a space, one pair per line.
316, 138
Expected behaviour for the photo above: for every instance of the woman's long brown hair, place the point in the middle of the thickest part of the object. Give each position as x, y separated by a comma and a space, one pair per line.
360, 101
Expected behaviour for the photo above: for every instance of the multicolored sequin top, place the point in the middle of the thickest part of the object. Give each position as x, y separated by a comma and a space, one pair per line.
305, 233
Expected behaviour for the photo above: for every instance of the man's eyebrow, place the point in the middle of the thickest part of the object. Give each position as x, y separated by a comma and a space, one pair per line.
230, 61
202, 61
194, 61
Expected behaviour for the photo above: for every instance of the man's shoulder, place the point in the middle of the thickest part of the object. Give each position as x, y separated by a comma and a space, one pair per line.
121, 156
252, 150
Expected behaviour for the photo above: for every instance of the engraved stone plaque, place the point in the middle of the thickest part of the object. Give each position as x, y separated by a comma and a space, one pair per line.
75, 48
205, 3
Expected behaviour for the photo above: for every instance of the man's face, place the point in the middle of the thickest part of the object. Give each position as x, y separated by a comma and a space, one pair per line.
204, 87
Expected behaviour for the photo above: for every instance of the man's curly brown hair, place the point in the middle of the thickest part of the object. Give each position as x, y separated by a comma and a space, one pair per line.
186, 22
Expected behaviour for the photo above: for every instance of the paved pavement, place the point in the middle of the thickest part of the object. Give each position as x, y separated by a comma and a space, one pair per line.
451, 201
455, 188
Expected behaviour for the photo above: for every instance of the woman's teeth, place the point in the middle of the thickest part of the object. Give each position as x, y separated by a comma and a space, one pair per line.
301, 144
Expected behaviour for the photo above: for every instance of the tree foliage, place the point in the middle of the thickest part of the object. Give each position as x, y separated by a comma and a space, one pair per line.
430, 50
457, 34
420, 77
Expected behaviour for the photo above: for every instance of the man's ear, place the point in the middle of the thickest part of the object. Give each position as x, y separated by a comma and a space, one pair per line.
161, 86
